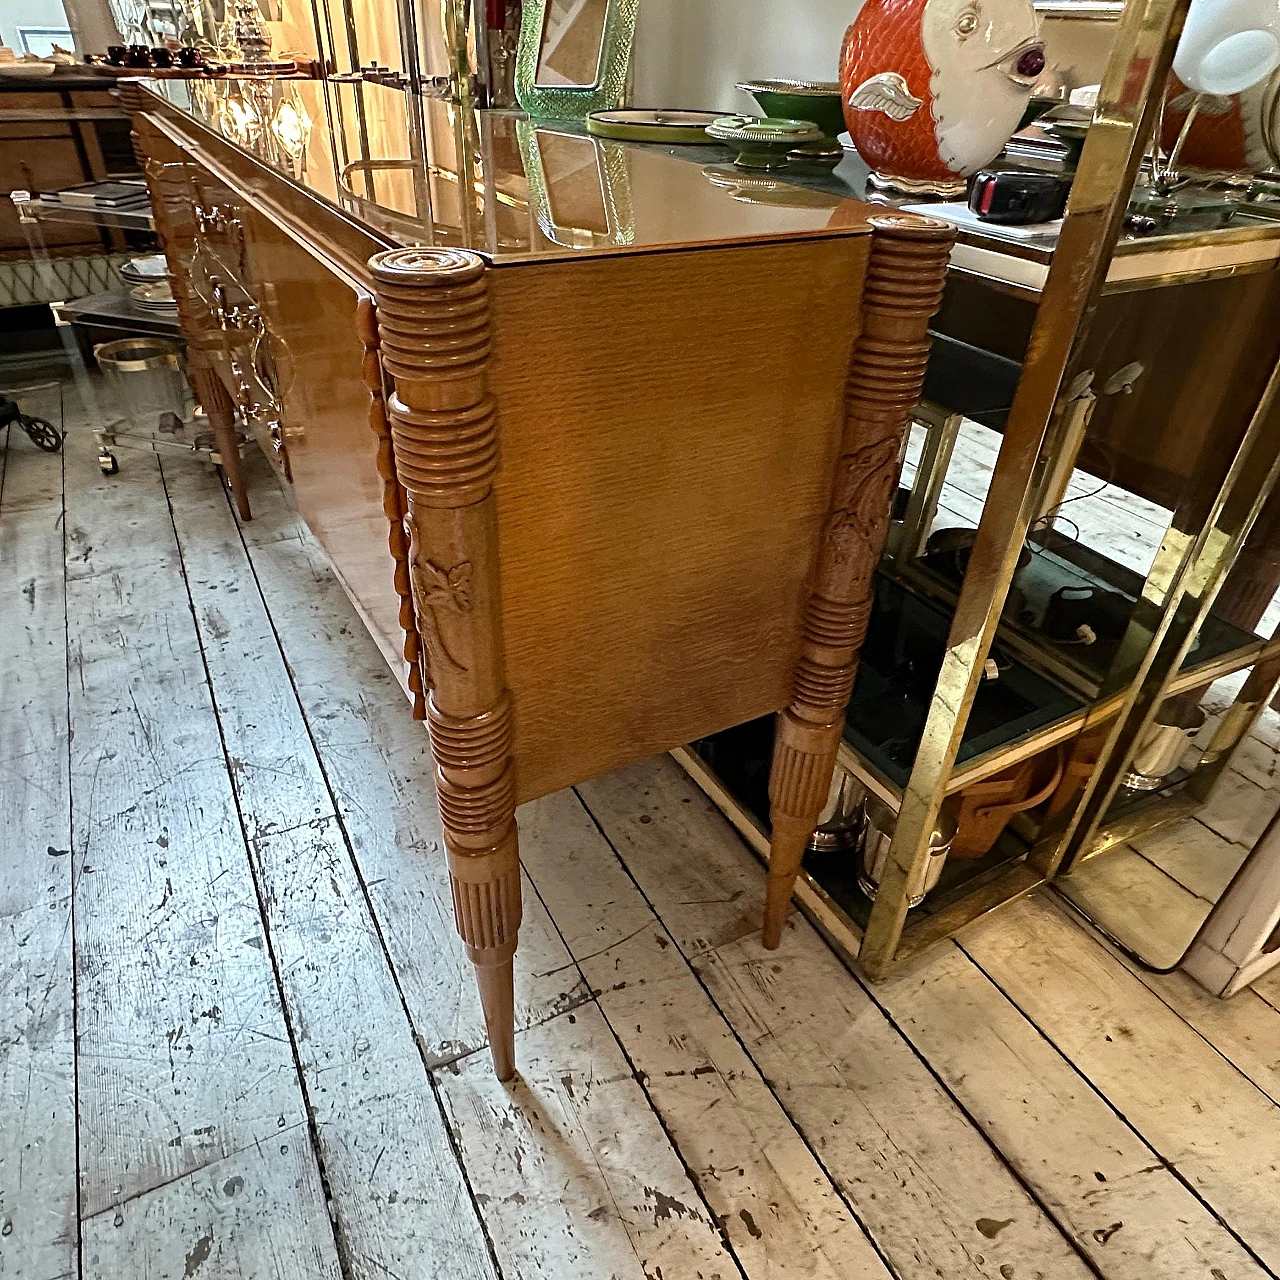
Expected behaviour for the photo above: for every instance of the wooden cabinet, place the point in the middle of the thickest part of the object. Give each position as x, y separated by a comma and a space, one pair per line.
604, 456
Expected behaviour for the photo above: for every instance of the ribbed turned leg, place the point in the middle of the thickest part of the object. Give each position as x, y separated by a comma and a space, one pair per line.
432, 315
905, 276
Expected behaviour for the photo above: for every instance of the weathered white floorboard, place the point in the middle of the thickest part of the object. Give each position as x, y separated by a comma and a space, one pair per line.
378, 762
399, 1196
400, 1199
571, 1168
38, 1230
1244, 1029
1191, 1105
1129, 1215
184, 1057
929, 1189
773, 1200
1258, 757
1239, 809
277, 778
1268, 988
1130, 898
226, 1220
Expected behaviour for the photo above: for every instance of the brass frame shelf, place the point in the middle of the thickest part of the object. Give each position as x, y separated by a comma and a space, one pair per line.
1009, 882
1041, 440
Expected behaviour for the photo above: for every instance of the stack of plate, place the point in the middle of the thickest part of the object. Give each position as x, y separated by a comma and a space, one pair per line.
149, 270
154, 297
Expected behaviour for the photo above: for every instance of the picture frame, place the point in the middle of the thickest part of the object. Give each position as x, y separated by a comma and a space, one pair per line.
553, 97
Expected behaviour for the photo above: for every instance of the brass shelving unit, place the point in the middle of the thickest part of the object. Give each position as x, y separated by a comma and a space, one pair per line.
1116, 703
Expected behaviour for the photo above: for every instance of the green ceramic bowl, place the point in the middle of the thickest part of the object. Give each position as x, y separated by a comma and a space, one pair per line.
814, 100
760, 143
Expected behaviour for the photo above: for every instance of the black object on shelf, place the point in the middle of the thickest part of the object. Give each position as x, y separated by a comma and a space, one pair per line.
111, 193
1065, 586
1018, 197
885, 718
897, 671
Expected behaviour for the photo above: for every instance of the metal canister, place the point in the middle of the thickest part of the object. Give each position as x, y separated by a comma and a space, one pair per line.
145, 377
1160, 748
840, 823
878, 828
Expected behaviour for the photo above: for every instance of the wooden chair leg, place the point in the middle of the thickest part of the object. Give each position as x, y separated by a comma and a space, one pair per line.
432, 333
906, 271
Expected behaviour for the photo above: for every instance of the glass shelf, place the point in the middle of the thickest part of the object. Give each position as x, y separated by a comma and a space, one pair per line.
123, 219
898, 669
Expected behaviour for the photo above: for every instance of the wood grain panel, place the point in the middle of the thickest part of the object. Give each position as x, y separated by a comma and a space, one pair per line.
684, 409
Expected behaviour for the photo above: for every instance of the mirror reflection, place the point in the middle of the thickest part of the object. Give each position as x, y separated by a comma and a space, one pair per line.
572, 43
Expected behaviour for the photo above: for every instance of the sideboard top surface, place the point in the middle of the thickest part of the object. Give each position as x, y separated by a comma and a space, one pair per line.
533, 190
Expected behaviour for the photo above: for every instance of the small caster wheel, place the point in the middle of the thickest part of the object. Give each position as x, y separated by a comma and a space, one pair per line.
44, 435
107, 463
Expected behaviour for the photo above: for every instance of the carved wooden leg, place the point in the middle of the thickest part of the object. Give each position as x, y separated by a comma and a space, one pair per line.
173, 207
393, 498
905, 276
433, 334
220, 410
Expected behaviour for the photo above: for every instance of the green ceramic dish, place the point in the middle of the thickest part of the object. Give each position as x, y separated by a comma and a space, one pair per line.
760, 142
638, 124
814, 100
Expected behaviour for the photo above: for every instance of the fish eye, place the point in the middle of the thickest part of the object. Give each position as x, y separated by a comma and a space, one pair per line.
967, 23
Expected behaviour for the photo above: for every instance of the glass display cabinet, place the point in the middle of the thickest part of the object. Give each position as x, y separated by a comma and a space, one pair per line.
1075, 640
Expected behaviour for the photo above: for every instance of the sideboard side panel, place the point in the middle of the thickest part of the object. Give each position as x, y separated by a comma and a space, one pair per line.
684, 409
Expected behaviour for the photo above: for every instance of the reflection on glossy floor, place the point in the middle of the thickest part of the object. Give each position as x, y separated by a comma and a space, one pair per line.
238, 1037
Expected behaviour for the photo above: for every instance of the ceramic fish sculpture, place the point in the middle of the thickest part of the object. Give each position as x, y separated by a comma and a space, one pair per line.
933, 89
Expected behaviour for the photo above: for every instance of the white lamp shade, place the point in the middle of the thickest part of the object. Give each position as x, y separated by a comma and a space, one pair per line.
1228, 46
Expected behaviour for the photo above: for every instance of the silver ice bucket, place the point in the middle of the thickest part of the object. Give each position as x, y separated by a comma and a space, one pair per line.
880, 824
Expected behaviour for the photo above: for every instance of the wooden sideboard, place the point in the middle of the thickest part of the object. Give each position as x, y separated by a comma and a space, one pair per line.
603, 456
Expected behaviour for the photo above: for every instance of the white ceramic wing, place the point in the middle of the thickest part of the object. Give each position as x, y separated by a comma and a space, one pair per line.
886, 92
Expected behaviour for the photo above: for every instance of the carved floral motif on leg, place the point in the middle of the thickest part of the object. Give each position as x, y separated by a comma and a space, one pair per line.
433, 343
436, 591
905, 275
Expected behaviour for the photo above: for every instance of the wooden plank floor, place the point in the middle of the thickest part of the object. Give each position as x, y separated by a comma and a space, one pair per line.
238, 1037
